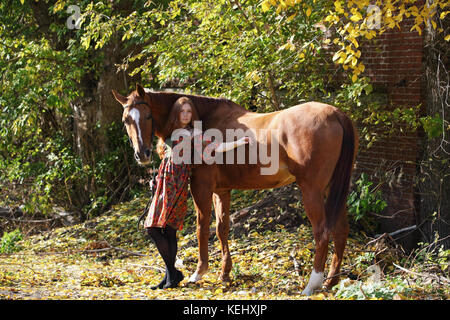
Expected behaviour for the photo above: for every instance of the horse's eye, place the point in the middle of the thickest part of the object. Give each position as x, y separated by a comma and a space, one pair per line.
126, 121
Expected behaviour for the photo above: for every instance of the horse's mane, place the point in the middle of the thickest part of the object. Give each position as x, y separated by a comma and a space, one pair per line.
205, 105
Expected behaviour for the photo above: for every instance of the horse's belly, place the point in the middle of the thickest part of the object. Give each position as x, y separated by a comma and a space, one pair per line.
253, 179
281, 178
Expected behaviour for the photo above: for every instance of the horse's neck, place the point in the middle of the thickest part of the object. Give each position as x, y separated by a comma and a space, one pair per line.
205, 106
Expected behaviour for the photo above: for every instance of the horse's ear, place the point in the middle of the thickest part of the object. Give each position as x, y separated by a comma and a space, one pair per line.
140, 90
123, 100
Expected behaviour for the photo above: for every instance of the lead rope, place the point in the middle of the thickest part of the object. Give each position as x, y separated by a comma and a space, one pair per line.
152, 184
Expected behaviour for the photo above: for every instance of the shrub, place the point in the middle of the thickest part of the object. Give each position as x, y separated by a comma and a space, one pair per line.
9, 242
364, 202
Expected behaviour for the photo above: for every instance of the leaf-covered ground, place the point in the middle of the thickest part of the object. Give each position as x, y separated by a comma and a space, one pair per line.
106, 258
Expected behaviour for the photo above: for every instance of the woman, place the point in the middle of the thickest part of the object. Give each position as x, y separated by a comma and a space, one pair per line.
169, 204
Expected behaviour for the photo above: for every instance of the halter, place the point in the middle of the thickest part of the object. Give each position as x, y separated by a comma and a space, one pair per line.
152, 180
149, 117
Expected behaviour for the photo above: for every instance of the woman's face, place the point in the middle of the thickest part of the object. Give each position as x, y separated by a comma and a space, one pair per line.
185, 114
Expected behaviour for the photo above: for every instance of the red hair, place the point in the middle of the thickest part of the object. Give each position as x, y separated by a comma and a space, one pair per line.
174, 122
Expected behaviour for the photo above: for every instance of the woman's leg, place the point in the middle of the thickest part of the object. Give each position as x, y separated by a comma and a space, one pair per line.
166, 243
162, 244
174, 276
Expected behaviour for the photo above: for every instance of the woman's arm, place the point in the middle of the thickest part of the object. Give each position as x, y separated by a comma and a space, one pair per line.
226, 146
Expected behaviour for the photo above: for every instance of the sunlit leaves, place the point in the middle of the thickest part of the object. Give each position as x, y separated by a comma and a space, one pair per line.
58, 265
355, 21
216, 49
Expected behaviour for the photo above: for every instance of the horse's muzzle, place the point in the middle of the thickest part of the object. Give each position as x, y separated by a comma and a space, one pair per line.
143, 157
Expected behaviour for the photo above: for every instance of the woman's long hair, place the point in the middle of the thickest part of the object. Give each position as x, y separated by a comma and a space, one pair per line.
174, 122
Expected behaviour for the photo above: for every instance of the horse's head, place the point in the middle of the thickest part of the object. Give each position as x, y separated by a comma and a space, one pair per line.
138, 120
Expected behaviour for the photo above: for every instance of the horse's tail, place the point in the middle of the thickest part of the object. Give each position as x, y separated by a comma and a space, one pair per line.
340, 180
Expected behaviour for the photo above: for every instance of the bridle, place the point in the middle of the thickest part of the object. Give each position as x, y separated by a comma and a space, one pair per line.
152, 180
149, 117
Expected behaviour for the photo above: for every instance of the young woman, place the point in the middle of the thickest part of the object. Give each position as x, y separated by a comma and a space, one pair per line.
169, 204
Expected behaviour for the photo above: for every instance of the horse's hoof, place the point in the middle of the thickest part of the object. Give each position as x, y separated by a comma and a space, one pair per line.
195, 277
314, 283
307, 292
330, 283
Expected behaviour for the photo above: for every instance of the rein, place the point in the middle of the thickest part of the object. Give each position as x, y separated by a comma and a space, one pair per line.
153, 178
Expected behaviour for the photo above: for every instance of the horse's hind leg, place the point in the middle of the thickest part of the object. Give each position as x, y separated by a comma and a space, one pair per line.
313, 201
222, 209
339, 234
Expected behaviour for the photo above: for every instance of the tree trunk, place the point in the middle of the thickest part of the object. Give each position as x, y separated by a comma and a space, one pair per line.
434, 166
95, 111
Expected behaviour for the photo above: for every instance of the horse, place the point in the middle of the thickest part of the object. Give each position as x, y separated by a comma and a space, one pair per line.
317, 145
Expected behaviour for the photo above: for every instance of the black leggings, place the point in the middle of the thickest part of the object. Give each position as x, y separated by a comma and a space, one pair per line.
166, 241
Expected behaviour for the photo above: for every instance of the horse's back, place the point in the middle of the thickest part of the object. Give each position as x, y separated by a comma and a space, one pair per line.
309, 111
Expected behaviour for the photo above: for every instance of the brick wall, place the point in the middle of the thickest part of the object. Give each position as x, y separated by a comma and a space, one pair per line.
394, 64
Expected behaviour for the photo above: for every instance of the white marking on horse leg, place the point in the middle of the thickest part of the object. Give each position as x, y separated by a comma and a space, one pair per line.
314, 283
195, 277
136, 115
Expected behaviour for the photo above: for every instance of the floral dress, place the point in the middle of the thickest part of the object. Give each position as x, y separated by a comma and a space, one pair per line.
169, 203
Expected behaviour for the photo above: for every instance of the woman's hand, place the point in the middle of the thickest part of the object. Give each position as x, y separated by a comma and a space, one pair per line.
246, 140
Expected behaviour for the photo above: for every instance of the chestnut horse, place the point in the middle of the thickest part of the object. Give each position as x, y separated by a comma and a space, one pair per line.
317, 145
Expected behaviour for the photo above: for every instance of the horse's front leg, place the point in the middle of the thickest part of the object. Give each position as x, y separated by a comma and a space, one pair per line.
222, 209
202, 195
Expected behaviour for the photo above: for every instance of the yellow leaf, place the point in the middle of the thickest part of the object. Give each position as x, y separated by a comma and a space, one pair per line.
22, 1
290, 18
416, 27
443, 14
338, 7
370, 34
265, 6
433, 24
447, 37
336, 55
287, 46
355, 43
329, 18
278, 9
354, 77
319, 296
361, 67
308, 12
59, 6
356, 17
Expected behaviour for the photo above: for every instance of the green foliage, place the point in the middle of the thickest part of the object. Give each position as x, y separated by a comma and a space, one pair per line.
370, 108
43, 74
433, 125
432, 254
261, 58
237, 51
365, 201
371, 290
9, 241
